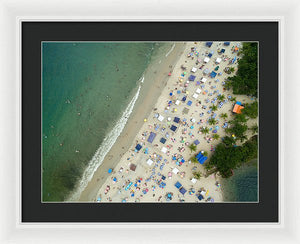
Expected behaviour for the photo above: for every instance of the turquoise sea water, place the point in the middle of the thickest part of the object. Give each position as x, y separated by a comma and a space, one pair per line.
85, 88
243, 185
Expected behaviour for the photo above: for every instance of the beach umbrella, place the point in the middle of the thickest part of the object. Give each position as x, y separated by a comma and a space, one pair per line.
169, 74
145, 120
109, 171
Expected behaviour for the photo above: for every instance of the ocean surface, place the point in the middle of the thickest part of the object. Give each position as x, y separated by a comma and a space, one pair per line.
243, 185
88, 93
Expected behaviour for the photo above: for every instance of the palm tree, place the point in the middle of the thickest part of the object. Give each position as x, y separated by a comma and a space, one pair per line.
205, 154
194, 160
214, 107
221, 97
216, 136
254, 129
233, 99
241, 118
212, 121
205, 130
223, 115
231, 70
193, 147
197, 175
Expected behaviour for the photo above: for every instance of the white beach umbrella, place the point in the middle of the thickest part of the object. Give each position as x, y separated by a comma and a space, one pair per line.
194, 69
149, 162
175, 171
193, 180
206, 59
195, 96
160, 118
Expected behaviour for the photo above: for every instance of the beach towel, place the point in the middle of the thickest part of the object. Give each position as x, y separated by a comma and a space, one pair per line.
151, 137
192, 78
176, 120
177, 185
173, 128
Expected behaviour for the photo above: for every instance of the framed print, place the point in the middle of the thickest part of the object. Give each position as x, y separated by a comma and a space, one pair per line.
151, 125
128, 123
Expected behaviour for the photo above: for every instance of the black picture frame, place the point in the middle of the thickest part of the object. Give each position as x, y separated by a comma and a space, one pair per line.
266, 33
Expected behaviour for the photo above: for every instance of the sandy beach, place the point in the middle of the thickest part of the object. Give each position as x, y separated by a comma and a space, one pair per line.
149, 174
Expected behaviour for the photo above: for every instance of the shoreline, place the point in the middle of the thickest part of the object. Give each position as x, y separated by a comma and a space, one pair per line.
149, 94
114, 187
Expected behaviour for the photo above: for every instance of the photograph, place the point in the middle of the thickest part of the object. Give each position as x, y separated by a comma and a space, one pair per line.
149, 122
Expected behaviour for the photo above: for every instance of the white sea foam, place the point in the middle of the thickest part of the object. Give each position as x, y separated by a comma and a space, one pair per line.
172, 48
142, 79
104, 148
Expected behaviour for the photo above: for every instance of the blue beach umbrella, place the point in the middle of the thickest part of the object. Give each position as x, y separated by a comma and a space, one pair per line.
109, 171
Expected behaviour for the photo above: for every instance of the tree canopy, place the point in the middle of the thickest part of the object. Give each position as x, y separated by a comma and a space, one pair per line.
238, 129
227, 158
251, 110
245, 80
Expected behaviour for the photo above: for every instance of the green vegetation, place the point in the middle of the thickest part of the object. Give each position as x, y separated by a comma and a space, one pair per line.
254, 129
224, 116
229, 141
221, 97
227, 157
194, 160
240, 118
205, 154
233, 99
238, 130
212, 121
197, 175
251, 110
193, 147
229, 70
213, 107
205, 130
245, 80
216, 136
